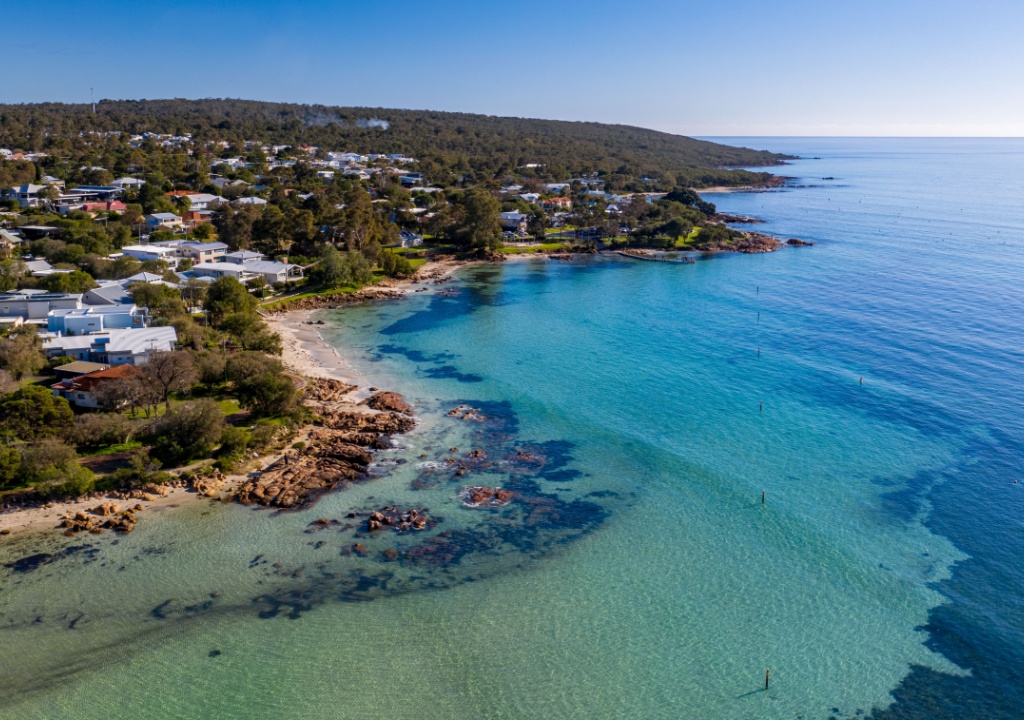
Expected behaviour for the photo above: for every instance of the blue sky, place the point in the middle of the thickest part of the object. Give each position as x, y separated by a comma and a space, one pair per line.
719, 67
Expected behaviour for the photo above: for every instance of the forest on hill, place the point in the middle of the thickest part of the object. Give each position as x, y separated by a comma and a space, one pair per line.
480, 147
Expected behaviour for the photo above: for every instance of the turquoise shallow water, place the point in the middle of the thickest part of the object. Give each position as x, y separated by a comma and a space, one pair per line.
638, 573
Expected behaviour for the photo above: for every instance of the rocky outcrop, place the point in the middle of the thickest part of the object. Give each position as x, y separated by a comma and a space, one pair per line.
477, 496
465, 412
122, 521
327, 390
735, 219
208, 485
398, 520
388, 401
364, 422
326, 463
796, 242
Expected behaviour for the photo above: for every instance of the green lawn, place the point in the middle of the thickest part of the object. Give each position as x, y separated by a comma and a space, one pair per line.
543, 247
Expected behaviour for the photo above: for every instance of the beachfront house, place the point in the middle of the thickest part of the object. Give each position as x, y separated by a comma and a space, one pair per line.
514, 222
113, 347
83, 391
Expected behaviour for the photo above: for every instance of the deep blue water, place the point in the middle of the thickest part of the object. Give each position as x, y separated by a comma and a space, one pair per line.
931, 233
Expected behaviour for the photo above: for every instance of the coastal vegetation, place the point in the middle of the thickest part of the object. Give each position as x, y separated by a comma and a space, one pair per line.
449, 146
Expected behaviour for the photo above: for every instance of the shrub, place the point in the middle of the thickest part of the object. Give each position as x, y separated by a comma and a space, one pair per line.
189, 431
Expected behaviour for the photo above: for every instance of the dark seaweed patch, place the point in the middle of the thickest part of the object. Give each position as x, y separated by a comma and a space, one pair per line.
34, 562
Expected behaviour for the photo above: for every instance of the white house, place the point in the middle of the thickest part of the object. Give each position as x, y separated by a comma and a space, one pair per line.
96, 319
250, 201
113, 347
203, 252
142, 253
164, 221
36, 304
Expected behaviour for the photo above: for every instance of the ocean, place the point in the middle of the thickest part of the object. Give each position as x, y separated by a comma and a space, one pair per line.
802, 461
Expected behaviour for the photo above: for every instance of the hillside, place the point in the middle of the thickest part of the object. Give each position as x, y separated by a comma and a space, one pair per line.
486, 147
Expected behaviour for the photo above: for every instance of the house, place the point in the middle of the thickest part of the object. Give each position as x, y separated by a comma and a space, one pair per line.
38, 268
100, 207
411, 179
514, 221
410, 239
250, 201
143, 277
221, 269
198, 200
27, 195
37, 232
113, 347
95, 319
192, 218
273, 272
35, 305
208, 252
110, 294
128, 183
163, 221
249, 270
530, 197
82, 391
8, 242
557, 204
142, 253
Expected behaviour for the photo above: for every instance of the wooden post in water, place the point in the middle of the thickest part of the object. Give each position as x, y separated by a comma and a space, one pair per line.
760, 407
861, 379
766, 674
762, 497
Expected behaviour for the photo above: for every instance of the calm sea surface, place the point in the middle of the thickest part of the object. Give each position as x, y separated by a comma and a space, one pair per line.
870, 386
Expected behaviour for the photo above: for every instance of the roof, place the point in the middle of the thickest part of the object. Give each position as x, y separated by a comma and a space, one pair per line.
244, 255
163, 216
93, 309
156, 249
251, 201
134, 340
265, 266
205, 245
89, 381
114, 294
146, 277
80, 367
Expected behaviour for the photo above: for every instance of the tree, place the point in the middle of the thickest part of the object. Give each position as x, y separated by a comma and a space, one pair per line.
210, 365
261, 384
34, 412
162, 300
10, 463
76, 281
676, 228
191, 430
481, 227
21, 353
395, 265
332, 270
225, 296
249, 331
11, 271
170, 371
